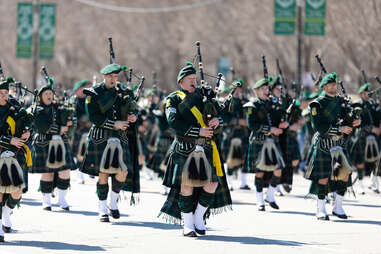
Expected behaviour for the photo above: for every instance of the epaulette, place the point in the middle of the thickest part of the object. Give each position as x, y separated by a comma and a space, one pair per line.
249, 104
90, 91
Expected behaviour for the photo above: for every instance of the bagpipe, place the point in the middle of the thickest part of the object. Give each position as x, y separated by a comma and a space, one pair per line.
129, 99
349, 113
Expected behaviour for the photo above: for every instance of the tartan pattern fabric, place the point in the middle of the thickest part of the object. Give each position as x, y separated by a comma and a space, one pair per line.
291, 151
40, 156
253, 154
93, 156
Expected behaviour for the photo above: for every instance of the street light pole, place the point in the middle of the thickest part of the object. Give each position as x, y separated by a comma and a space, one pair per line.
299, 34
36, 25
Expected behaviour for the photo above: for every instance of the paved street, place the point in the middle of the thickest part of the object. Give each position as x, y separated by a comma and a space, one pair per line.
292, 229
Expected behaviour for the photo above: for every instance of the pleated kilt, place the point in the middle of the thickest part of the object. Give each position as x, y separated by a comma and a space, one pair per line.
319, 162
96, 145
177, 159
40, 155
162, 145
254, 153
170, 211
292, 151
358, 150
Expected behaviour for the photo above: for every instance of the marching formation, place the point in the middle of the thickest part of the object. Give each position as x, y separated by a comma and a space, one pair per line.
197, 139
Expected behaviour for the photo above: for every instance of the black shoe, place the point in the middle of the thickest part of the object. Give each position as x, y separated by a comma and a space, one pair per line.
2, 238
231, 189
246, 187
104, 218
272, 204
48, 208
190, 234
287, 188
323, 218
376, 191
115, 213
66, 208
261, 208
341, 216
7, 229
200, 232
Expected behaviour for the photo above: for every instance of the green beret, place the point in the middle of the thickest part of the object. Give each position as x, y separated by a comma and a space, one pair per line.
241, 81
329, 78
364, 88
111, 68
5, 83
186, 71
260, 83
80, 84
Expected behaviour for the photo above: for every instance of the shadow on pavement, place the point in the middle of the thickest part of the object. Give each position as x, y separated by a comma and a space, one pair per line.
54, 245
368, 222
364, 205
294, 212
249, 240
156, 225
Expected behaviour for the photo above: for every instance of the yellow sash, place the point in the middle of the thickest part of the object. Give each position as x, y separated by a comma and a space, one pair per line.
216, 155
28, 156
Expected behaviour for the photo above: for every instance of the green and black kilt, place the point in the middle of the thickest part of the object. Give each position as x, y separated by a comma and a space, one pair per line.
96, 145
172, 178
40, 156
162, 145
253, 154
292, 152
358, 150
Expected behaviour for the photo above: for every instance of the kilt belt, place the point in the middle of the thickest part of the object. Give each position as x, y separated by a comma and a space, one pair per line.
259, 138
197, 141
325, 143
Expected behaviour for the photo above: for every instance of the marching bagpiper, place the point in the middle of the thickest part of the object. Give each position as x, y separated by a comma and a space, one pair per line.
107, 151
194, 172
365, 148
82, 124
264, 154
51, 152
15, 154
328, 166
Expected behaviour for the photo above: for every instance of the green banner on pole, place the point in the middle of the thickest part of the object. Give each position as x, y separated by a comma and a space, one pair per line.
24, 30
47, 30
315, 17
285, 14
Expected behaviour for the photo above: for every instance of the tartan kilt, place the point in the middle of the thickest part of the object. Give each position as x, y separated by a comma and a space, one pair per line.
253, 154
292, 151
162, 146
319, 163
358, 151
92, 160
40, 156
174, 171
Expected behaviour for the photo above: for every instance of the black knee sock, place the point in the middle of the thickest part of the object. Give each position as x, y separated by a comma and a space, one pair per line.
63, 184
116, 186
11, 202
205, 198
46, 187
322, 191
360, 172
258, 184
102, 191
186, 203
341, 188
275, 180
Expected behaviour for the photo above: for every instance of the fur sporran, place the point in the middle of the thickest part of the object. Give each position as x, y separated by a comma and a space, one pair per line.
11, 174
235, 155
340, 165
112, 157
372, 152
197, 171
270, 158
56, 153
